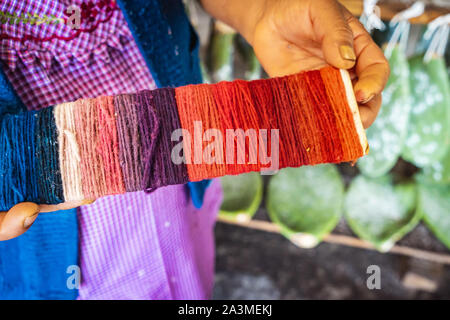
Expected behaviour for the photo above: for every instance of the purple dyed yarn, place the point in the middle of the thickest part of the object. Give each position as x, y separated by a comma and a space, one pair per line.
149, 128
130, 149
164, 171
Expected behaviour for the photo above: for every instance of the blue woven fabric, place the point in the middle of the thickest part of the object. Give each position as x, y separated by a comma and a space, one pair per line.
34, 265
9, 101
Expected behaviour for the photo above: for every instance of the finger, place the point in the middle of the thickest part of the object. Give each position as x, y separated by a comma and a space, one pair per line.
17, 220
332, 29
369, 111
64, 206
371, 82
20, 217
372, 68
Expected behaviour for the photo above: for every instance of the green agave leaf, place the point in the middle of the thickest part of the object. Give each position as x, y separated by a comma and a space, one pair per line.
205, 73
306, 202
439, 171
407, 195
242, 196
387, 134
379, 212
428, 136
434, 205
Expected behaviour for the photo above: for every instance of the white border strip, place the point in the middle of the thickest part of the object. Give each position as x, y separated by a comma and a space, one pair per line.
354, 109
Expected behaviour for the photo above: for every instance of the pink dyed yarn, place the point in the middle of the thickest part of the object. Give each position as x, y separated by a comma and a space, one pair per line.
108, 145
92, 169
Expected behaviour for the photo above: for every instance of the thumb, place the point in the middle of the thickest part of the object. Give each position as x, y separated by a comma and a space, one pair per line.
333, 30
17, 220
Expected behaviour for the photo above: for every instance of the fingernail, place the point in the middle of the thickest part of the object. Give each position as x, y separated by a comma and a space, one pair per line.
347, 52
29, 220
362, 97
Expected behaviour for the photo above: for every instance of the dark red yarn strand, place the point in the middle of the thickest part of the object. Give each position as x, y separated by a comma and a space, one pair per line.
149, 128
165, 171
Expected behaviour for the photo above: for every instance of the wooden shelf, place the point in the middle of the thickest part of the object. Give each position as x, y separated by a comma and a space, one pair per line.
345, 240
388, 9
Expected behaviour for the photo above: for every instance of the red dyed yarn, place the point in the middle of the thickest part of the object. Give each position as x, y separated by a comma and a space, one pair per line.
310, 110
293, 145
349, 138
324, 117
309, 144
243, 116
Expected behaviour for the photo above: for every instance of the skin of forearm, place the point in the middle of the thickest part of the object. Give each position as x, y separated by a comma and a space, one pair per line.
241, 15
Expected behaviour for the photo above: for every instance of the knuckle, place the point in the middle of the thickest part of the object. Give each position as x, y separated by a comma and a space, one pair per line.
387, 67
343, 29
342, 32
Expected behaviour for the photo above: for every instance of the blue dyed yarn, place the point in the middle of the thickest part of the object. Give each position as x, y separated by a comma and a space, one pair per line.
17, 160
47, 158
9, 191
30, 156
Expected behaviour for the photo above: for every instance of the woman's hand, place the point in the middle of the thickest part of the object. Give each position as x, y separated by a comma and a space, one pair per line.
290, 36
20, 217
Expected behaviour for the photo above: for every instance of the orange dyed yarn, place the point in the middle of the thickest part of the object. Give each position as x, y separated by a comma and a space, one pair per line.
204, 109
349, 138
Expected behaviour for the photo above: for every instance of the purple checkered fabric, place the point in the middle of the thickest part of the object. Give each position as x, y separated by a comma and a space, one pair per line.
132, 246
157, 249
103, 62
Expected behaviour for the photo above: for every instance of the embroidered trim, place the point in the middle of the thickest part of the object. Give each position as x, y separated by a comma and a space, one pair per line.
28, 18
89, 11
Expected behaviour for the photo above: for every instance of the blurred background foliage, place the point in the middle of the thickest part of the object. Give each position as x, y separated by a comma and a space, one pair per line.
405, 179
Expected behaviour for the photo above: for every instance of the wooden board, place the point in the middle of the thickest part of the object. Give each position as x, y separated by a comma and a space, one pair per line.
389, 8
